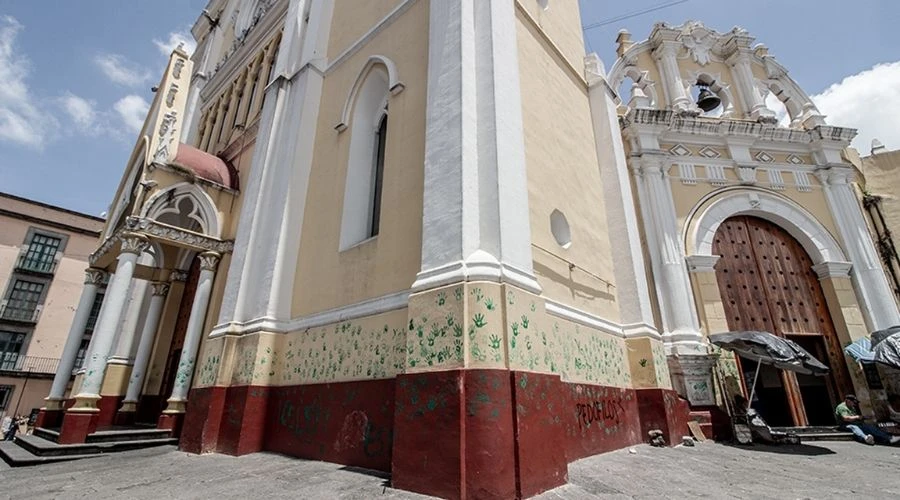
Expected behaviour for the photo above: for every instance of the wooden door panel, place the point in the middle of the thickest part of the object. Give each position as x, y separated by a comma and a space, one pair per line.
767, 283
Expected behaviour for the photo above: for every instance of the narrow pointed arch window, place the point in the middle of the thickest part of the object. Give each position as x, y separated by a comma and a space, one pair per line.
378, 175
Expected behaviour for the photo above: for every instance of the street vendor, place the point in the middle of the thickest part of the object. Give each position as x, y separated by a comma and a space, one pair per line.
849, 418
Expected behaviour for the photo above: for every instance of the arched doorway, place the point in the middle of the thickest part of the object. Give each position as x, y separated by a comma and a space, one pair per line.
767, 283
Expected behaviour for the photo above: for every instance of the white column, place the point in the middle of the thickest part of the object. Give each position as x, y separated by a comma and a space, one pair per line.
130, 326
105, 332
261, 273
667, 64
676, 299
208, 263
632, 289
475, 215
754, 105
93, 278
159, 291
92, 343
872, 289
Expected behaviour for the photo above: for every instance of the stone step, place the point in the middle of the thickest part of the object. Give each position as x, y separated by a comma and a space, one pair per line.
48, 434
45, 448
817, 433
17, 456
106, 436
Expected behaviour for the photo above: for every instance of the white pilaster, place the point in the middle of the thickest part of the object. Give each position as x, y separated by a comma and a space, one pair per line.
869, 281
145, 345
475, 214
676, 299
261, 273
104, 333
185, 372
93, 278
754, 105
632, 289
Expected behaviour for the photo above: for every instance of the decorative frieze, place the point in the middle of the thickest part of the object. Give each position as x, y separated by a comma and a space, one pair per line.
177, 235
776, 180
715, 174
801, 179
688, 173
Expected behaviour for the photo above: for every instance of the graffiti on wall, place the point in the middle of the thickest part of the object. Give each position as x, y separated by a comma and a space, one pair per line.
609, 410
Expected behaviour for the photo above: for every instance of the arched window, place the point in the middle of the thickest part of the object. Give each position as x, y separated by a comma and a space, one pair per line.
378, 175
361, 217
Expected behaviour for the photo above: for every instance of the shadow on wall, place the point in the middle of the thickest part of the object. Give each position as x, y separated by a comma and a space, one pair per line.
580, 290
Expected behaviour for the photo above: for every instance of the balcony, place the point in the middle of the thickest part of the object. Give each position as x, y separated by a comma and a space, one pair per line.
37, 264
12, 362
22, 315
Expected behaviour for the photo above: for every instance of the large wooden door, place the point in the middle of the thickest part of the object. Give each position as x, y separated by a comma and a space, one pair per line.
767, 283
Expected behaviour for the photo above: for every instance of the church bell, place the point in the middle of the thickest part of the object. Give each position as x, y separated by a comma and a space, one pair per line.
707, 100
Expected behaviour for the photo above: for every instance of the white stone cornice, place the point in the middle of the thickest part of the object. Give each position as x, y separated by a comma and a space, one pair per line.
702, 263
832, 269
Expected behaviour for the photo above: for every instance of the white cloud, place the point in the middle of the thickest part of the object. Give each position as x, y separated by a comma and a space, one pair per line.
122, 71
132, 109
21, 120
781, 112
868, 101
80, 110
175, 38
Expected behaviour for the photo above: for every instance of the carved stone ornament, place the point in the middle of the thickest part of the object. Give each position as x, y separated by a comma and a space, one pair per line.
209, 261
159, 288
166, 137
177, 275
699, 42
134, 243
94, 277
177, 67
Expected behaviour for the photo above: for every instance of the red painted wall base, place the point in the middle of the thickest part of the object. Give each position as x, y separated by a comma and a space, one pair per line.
108, 406
125, 418
76, 427
453, 434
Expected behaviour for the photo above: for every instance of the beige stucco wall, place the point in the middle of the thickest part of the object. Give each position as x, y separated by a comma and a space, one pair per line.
564, 175
327, 278
36, 389
560, 23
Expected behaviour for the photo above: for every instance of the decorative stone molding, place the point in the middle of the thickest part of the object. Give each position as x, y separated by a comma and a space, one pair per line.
209, 261
747, 174
776, 180
832, 269
177, 235
176, 275
160, 288
702, 263
133, 243
94, 276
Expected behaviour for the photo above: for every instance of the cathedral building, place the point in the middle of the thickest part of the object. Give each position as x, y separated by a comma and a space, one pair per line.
438, 240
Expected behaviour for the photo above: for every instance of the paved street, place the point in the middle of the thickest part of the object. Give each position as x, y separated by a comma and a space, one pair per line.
826, 470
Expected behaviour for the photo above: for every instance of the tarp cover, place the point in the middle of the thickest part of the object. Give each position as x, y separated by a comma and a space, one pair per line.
768, 349
861, 350
886, 346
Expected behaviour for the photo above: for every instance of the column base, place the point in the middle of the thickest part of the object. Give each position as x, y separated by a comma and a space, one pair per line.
664, 410
76, 425
48, 418
203, 420
172, 422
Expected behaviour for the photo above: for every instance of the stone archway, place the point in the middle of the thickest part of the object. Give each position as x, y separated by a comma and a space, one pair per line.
767, 282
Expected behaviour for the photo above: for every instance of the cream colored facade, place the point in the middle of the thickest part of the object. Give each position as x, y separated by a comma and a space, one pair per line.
351, 197
43, 254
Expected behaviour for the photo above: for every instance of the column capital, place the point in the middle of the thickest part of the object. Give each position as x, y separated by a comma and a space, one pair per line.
93, 276
160, 288
178, 275
209, 261
835, 175
826, 270
702, 263
134, 243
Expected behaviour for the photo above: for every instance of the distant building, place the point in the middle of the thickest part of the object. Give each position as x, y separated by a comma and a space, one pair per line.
43, 255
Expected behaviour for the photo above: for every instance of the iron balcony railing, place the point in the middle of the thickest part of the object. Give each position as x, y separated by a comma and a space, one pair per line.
26, 315
38, 263
12, 362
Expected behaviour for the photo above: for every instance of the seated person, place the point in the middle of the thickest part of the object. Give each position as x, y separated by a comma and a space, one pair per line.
849, 418
759, 429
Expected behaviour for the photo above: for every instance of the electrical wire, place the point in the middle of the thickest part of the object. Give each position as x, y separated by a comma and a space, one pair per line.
631, 14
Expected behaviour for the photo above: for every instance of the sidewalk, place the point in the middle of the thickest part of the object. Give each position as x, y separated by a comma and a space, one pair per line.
819, 470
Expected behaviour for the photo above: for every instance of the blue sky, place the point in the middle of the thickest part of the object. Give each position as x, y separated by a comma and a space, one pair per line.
75, 76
